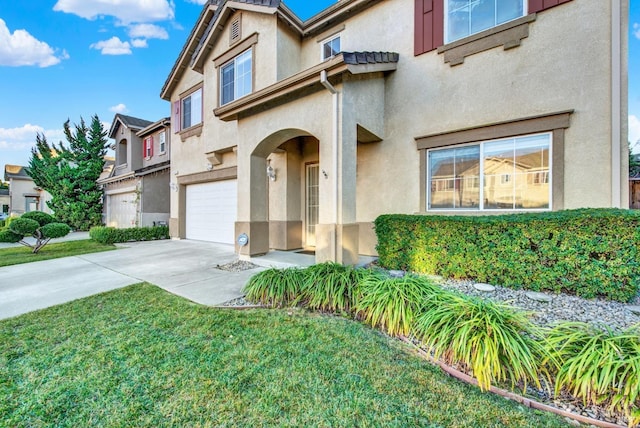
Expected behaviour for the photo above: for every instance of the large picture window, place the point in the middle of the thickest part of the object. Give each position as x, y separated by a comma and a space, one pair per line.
466, 17
505, 174
236, 78
191, 109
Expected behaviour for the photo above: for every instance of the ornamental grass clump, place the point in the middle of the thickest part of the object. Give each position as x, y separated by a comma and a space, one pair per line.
494, 341
393, 303
599, 365
329, 287
275, 287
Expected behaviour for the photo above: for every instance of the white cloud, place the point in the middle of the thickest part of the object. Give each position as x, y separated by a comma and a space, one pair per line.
636, 30
21, 48
113, 46
125, 11
147, 31
197, 1
139, 43
24, 138
634, 132
120, 108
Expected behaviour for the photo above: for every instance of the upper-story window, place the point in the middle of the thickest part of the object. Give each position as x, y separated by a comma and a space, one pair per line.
191, 109
466, 17
162, 142
147, 147
236, 78
330, 47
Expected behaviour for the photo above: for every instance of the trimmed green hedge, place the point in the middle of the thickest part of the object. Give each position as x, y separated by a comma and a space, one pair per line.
111, 235
587, 252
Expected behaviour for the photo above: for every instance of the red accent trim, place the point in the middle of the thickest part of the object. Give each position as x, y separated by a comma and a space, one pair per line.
428, 25
540, 5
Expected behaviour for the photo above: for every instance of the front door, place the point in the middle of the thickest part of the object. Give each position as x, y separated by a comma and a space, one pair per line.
312, 207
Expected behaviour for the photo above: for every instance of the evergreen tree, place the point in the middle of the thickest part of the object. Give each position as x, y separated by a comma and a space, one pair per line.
70, 173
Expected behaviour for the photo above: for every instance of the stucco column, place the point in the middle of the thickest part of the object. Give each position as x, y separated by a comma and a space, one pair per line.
252, 204
337, 233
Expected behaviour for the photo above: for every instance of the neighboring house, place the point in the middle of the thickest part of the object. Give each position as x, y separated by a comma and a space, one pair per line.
300, 133
136, 187
24, 195
5, 201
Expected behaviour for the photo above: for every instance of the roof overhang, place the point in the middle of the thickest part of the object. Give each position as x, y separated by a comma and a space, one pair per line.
212, 19
162, 123
352, 63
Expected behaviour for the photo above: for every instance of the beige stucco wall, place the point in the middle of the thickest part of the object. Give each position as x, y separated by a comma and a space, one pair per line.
18, 204
553, 70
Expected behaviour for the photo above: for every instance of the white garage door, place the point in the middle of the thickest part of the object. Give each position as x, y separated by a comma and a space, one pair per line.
121, 210
211, 211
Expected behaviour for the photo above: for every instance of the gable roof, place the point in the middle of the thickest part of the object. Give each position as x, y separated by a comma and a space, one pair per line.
15, 171
216, 12
133, 123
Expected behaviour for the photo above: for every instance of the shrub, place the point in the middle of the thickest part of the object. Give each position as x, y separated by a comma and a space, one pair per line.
495, 341
600, 366
588, 252
6, 235
39, 225
111, 235
24, 226
41, 217
329, 287
275, 287
55, 230
393, 303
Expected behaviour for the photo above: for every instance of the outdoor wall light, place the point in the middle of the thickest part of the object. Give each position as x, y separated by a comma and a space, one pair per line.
271, 173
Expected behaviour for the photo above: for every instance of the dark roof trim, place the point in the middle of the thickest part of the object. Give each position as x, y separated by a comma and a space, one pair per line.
360, 63
133, 123
153, 168
162, 123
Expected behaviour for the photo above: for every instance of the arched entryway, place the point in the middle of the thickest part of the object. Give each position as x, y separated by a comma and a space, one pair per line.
283, 183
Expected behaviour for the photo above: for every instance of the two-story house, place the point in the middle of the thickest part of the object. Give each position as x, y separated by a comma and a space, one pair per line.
23, 194
136, 188
299, 134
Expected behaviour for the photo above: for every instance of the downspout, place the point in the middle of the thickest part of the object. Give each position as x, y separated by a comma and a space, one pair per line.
616, 120
334, 144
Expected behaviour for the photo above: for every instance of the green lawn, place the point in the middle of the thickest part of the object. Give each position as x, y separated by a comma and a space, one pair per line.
53, 250
141, 357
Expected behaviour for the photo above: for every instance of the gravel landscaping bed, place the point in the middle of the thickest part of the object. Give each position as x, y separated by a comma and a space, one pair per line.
559, 307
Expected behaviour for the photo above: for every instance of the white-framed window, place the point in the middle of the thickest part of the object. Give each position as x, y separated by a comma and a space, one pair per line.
162, 141
147, 147
466, 17
505, 174
236, 78
330, 47
191, 109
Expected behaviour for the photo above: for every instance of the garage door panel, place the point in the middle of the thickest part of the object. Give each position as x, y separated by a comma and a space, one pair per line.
121, 210
211, 211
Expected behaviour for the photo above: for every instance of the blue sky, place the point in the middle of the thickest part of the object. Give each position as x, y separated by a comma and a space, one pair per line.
63, 59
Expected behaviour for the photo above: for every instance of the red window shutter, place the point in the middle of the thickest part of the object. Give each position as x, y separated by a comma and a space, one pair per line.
428, 25
176, 116
539, 5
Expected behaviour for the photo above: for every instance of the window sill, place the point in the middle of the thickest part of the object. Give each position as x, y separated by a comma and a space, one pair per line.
193, 131
509, 35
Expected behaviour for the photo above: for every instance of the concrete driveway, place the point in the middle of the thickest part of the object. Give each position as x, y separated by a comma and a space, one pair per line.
186, 268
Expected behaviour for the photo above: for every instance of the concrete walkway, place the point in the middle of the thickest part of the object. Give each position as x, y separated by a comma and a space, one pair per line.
182, 267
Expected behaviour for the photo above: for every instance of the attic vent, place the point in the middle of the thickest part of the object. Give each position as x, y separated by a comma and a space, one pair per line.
235, 31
